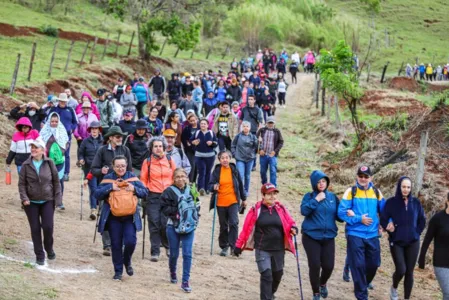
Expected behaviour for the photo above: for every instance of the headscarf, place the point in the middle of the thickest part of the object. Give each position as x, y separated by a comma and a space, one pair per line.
60, 133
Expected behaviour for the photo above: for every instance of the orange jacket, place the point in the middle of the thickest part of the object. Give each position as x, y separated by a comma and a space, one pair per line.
161, 173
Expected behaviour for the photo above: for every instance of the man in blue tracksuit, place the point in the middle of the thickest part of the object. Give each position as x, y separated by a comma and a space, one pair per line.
360, 208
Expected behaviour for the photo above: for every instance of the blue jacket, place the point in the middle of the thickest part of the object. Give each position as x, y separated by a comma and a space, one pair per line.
409, 223
67, 116
220, 93
319, 222
102, 193
365, 202
141, 92
202, 147
422, 68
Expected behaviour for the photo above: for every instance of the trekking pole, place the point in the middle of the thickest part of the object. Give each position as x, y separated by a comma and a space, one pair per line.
260, 178
299, 270
143, 242
213, 223
82, 193
98, 220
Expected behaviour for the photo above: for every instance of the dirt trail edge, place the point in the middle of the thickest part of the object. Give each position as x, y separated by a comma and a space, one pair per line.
212, 277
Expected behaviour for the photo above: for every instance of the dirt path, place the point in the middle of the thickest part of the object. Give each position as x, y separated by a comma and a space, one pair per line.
212, 277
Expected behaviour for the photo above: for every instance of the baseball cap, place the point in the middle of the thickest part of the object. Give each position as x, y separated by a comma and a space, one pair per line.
364, 170
39, 143
169, 132
270, 119
268, 188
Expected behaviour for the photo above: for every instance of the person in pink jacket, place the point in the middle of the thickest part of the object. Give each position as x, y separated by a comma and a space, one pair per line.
268, 228
84, 120
310, 61
85, 96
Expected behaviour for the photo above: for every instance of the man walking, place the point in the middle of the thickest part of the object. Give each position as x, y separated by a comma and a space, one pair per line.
225, 126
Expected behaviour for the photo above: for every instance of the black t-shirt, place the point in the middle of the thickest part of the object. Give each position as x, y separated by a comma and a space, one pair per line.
438, 231
269, 233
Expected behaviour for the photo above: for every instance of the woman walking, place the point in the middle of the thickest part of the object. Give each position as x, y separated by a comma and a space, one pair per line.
226, 182
319, 230
154, 124
404, 219
84, 120
40, 191
181, 208
187, 133
268, 228
174, 123
438, 231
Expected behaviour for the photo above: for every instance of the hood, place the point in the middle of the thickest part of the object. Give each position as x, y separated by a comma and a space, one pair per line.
87, 94
398, 194
316, 176
23, 121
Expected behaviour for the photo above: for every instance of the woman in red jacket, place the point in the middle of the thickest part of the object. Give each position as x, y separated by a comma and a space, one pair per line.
268, 228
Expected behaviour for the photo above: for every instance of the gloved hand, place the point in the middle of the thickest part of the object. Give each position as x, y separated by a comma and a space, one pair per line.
237, 251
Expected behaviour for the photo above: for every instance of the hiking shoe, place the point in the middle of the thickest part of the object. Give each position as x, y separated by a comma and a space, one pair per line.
51, 255
316, 297
117, 277
173, 277
346, 276
370, 286
66, 177
224, 251
167, 252
253, 169
93, 216
61, 207
394, 294
40, 262
107, 251
207, 192
185, 286
154, 258
323, 291
202, 192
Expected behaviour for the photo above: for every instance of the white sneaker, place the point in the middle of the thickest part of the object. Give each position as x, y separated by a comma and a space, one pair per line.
394, 294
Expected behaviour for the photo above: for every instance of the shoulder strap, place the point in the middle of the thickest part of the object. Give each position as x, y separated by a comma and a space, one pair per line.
376, 191
353, 192
149, 166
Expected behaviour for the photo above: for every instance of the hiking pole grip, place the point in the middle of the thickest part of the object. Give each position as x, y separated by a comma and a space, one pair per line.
299, 269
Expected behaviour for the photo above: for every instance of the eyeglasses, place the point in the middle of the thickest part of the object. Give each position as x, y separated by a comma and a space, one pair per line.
362, 176
120, 167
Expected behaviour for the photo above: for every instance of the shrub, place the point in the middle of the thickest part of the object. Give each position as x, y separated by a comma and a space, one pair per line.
49, 30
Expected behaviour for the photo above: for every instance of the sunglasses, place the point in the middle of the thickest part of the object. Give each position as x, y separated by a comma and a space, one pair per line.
362, 176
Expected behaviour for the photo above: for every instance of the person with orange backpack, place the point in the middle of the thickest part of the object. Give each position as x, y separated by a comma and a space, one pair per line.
120, 213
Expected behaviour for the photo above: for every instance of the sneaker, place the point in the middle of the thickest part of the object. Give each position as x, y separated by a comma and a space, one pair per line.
66, 177
185, 286
323, 291
107, 251
173, 278
224, 251
61, 207
346, 276
202, 192
393, 293
154, 258
207, 192
51, 255
93, 215
370, 286
117, 277
167, 252
253, 169
129, 270
40, 262
316, 297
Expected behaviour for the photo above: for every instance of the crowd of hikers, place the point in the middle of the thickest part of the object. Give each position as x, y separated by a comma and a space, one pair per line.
427, 72
143, 160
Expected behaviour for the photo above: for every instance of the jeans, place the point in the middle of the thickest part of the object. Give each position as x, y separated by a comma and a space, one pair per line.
40, 217
404, 258
157, 223
92, 184
174, 239
442, 275
123, 233
228, 217
272, 162
67, 154
204, 165
18, 169
193, 171
224, 142
244, 169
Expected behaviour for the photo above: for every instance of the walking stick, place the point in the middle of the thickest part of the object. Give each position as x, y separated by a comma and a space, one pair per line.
299, 270
213, 223
82, 193
98, 220
143, 242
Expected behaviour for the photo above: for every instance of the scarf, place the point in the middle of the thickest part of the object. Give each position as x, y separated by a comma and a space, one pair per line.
59, 133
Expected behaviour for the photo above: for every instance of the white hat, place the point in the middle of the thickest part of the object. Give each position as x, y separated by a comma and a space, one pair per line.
63, 97
39, 143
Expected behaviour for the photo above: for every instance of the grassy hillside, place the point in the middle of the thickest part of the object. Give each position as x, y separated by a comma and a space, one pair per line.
419, 29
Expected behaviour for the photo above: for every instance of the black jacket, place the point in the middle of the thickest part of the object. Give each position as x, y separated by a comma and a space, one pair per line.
89, 148
104, 157
174, 89
169, 203
158, 84
236, 92
138, 146
236, 179
36, 120
186, 88
127, 126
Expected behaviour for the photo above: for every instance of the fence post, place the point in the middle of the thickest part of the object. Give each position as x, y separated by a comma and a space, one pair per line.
400, 69
329, 104
176, 53
318, 88
383, 72
92, 53
105, 47
131, 43
52, 58
417, 60
193, 50
323, 101
315, 87
68, 56
208, 52
84, 53
118, 42
33, 52
421, 160
337, 114
14, 76
226, 51
163, 46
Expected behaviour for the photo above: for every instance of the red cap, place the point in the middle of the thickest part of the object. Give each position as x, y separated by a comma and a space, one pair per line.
269, 188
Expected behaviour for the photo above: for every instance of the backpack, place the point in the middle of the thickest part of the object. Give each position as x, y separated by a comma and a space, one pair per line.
149, 163
354, 191
187, 210
56, 154
198, 132
123, 202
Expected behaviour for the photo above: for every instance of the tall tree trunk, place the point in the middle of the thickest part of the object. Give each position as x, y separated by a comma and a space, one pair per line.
142, 53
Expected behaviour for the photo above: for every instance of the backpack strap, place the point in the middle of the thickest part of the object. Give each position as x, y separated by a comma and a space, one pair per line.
353, 192
178, 192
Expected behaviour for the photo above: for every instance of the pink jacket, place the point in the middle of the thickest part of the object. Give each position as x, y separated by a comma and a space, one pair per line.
79, 107
83, 123
310, 58
246, 237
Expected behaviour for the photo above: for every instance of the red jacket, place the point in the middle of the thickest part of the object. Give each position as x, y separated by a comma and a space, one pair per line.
246, 237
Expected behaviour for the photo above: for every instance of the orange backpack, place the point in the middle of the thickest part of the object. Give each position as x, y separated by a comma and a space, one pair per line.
123, 202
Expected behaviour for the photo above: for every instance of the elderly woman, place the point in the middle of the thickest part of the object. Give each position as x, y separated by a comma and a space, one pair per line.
122, 224
56, 139
227, 184
268, 228
181, 224
84, 120
40, 191
243, 148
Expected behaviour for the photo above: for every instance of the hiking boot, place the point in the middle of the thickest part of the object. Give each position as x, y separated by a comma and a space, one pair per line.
154, 258
173, 277
40, 262
323, 291
185, 286
107, 251
224, 251
66, 177
93, 215
370, 286
129, 270
316, 297
61, 207
394, 294
202, 192
117, 277
51, 255
346, 276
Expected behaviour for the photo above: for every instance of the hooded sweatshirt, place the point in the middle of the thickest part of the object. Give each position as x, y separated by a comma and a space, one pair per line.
79, 107
20, 143
319, 222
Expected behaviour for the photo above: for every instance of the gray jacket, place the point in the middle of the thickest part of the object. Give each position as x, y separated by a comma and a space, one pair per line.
244, 147
129, 102
180, 162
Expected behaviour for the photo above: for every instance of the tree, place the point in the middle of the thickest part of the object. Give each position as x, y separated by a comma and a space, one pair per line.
373, 6
338, 74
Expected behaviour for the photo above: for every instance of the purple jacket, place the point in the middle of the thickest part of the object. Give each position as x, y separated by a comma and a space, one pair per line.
83, 123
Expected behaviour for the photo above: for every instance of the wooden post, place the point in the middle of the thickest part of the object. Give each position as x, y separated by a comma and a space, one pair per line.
14, 76
131, 43
52, 58
193, 50
421, 161
400, 69
315, 88
417, 60
337, 114
369, 71
226, 51
118, 42
105, 47
33, 53
92, 53
176, 53
318, 88
383, 72
84, 53
68, 56
329, 104
323, 101
208, 52
163, 46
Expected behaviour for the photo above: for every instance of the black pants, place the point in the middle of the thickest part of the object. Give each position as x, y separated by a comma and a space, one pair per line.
224, 143
294, 80
429, 77
139, 107
321, 259
271, 268
157, 223
228, 218
281, 97
40, 217
404, 258
193, 171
